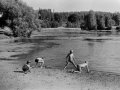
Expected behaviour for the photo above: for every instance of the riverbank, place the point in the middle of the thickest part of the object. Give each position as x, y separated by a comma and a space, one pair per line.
12, 78
48, 78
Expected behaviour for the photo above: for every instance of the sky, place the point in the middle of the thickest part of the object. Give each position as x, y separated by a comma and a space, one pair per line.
76, 5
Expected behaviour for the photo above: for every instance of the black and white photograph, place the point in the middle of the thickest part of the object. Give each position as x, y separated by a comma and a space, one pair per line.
59, 44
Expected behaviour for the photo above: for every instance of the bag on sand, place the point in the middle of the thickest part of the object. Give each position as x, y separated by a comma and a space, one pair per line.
25, 68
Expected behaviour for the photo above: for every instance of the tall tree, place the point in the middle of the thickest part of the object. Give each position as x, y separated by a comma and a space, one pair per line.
100, 22
108, 21
117, 18
57, 17
73, 18
91, 20
21, 18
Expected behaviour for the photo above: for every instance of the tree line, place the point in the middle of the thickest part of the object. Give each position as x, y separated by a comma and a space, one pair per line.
23, 20
86, 20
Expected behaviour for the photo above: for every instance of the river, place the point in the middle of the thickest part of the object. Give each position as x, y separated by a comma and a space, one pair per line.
102, 54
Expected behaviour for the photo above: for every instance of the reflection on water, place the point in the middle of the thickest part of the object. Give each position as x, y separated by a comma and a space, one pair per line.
40, 45
102, 54
29, 40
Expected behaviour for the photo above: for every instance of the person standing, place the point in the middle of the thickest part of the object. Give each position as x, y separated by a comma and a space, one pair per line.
70, 59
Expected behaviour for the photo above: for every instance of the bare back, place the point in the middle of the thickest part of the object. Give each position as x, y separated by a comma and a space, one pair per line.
70, 57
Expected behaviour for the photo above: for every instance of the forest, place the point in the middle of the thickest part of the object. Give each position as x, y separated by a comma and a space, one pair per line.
86, 20
23, 19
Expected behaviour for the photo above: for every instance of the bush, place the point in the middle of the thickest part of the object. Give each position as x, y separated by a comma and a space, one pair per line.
72, 25
45, 24
54, 24
73, 18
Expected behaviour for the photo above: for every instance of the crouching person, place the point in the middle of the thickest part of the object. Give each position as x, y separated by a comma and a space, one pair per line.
26, 68
83, 65
39, 62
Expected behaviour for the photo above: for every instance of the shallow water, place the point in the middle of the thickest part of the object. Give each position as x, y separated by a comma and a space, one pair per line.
103, 55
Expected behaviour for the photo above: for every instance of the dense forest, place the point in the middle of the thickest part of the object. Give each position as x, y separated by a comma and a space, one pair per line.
23, 20
86, 20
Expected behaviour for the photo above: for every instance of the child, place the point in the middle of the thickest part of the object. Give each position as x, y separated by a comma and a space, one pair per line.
39, 61
26, 68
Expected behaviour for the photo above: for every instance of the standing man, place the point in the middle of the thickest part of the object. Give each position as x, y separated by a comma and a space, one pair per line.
70, 59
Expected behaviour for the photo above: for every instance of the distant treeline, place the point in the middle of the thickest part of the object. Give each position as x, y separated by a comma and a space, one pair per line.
86, 20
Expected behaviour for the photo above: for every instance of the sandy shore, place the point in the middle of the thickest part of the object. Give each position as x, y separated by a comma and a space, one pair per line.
12, 78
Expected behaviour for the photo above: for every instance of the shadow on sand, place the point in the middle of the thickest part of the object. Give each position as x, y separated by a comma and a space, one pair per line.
18, 71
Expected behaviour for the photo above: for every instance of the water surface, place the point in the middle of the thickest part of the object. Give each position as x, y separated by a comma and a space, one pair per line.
102, 54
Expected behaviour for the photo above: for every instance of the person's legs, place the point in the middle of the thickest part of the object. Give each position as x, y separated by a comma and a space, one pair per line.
24, 71
36, 64
87, 68
79, 68
28, 71
41, 64
66, 65
73, 64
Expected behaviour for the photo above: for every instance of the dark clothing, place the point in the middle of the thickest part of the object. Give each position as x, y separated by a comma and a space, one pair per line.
26, 68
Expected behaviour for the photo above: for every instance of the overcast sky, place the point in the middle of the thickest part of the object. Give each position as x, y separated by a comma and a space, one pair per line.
76, 5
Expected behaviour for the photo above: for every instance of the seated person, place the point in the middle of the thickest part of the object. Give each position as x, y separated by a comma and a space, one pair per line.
26, 68
83, 65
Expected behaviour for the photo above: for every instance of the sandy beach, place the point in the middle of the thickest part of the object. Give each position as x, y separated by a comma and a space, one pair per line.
12, 78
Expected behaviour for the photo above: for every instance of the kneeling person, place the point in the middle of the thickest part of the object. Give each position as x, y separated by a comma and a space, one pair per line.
83, 65
39, 62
